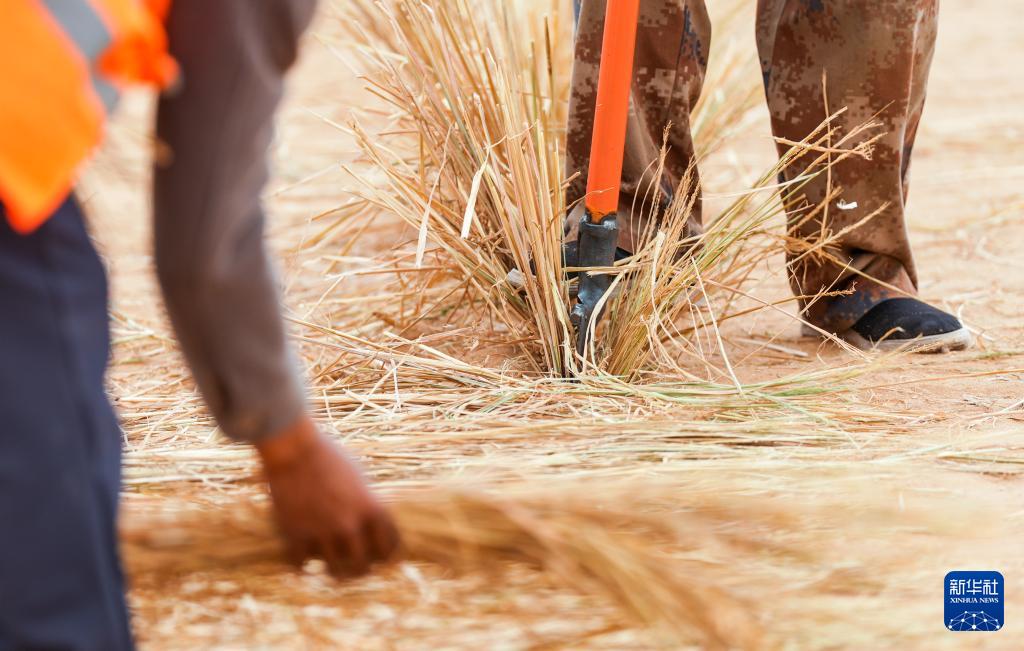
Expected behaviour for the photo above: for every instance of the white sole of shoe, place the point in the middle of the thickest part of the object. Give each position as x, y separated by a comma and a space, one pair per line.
947, 342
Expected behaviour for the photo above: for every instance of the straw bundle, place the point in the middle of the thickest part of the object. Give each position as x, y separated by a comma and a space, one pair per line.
583, 546
478, 102
472, 160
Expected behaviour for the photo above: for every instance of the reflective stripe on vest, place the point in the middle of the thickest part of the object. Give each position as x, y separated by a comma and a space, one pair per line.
60, 64
85, 28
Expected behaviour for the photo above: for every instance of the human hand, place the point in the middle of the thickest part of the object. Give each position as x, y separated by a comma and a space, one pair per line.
323, 506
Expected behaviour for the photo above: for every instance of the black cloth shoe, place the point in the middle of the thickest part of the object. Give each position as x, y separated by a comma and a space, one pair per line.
908, 323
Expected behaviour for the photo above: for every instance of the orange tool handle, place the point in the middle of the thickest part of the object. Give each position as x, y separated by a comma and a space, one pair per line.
612, 112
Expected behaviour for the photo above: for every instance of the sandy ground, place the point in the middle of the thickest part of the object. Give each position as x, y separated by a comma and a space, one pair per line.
965, 216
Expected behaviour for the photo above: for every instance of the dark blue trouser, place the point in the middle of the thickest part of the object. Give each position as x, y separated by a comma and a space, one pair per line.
61, 585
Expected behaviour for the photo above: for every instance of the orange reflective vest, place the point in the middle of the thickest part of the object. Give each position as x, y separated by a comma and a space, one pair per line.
61, 64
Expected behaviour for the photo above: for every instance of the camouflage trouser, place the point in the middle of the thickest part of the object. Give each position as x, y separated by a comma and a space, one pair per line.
875, 55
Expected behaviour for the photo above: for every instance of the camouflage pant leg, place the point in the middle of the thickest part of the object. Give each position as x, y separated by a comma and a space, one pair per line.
673, 39
875, 55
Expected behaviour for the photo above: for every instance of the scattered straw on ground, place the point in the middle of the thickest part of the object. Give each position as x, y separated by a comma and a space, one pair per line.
746, 489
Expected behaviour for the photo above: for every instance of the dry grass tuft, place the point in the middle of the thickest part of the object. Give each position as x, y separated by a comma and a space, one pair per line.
476, 164
472, 161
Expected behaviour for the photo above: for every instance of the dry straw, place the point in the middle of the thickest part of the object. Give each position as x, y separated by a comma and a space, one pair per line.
684, 557
612, 552
474, 164
686, 492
